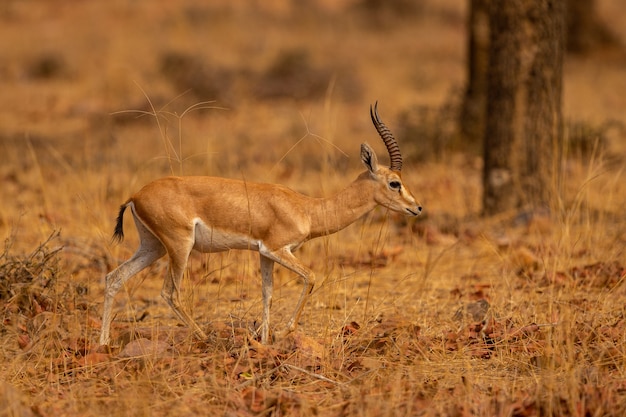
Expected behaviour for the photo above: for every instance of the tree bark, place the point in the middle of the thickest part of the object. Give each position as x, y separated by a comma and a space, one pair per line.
503, 88
472, 112
585, 33
523, 128
543, 133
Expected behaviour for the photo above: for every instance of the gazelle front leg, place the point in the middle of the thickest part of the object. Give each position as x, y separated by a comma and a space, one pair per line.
267, 274
285, 258
309, 283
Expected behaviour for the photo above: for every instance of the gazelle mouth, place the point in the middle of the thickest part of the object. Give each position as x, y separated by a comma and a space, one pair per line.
413, 213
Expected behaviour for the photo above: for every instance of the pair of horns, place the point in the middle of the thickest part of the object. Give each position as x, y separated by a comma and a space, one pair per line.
390, 142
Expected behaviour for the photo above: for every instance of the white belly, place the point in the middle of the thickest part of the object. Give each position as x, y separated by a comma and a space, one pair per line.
208, 239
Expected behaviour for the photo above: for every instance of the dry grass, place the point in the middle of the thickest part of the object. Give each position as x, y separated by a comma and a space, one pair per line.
395, 326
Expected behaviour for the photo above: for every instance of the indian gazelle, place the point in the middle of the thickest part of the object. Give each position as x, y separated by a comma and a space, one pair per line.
175, 215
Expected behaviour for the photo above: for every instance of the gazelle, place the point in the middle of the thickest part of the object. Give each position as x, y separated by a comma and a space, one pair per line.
174, 215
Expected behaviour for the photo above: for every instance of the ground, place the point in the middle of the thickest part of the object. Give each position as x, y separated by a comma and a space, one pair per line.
447, 314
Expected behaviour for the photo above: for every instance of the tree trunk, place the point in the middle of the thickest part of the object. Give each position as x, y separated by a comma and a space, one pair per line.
585, 33
543, 133
523, 128
472, 112
503, 88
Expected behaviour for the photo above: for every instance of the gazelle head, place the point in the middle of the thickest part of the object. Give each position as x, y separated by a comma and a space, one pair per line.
391, 192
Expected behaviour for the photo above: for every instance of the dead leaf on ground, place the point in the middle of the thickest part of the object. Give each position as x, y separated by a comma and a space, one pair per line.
23, 341
258, 350
350, 329
305, 345
599, 274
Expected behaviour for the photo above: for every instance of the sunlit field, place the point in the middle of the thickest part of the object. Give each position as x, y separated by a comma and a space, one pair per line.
446, 314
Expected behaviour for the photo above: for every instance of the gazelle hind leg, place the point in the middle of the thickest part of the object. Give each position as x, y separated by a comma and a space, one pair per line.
149, 251
172, 289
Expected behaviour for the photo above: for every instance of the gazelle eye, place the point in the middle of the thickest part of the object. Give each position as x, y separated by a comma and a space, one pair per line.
395, 185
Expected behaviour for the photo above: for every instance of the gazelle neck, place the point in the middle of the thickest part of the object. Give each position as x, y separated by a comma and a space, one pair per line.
329, 215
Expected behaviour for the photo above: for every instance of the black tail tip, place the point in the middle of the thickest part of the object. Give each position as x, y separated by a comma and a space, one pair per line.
118, 233
118, 236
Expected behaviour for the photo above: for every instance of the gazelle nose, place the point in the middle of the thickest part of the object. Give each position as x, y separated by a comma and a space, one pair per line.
419, 209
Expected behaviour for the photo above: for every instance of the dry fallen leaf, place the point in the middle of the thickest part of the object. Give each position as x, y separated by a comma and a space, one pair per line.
307, 345
350, 328
261, 351
23, 341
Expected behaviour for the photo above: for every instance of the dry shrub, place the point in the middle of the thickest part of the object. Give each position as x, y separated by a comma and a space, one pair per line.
585, 140
46, 66
203, 80
428, 132
292, 74
27, 283
385, 13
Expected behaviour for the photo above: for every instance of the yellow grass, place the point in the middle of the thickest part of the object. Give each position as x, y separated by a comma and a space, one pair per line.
380, 335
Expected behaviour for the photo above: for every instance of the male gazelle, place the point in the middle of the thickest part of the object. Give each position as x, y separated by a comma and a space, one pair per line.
174, 215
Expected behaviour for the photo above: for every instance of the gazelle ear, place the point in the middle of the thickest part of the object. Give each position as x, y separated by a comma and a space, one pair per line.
369, 158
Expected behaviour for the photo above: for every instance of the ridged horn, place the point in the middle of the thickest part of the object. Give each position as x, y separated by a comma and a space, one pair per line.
390, 142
